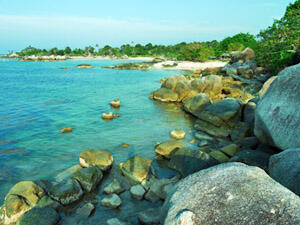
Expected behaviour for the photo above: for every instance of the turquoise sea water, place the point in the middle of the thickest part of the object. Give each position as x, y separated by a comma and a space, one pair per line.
37, 99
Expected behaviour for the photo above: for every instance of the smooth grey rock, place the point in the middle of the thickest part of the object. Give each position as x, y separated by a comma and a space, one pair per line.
86, 210
187, 161
285, 169
112, 201
137, 192
252, 158
232, 193
277, 116
114, 187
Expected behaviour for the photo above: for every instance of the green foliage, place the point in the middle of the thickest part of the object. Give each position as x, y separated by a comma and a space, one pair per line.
280, 41
195, 52
237, 42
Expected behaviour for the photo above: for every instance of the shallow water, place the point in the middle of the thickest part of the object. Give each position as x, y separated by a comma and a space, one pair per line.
37, 99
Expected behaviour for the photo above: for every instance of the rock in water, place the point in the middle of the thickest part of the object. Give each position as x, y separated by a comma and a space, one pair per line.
66, 130
112, 201
166, 148
20, 198
177, 134
164, 95
65, 193
187, 161
100, 158
116, 103
115, 221
285, 169
277, 116
136, 169
231, 193
114, 187
137, 192
88, 177
84, 66
39, 216
150, 216
107, 116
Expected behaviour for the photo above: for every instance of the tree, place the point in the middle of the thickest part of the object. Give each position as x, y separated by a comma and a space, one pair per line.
68, 50
280, 41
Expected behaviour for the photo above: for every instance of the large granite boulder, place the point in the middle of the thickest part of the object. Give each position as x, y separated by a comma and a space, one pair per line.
88, 177
136, 169
277, 116
196, 104
266, 86
187, 161
222, 113
243, 56
20, 198
171, 82
99, 158
39, 216
164, 95
184, 91
285, 169
211, 84
230, 193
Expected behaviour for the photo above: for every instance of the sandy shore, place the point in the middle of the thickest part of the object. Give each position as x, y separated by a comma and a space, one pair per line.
109, 58
187, 65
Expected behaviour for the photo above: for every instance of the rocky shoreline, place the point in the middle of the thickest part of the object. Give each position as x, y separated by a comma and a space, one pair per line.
244, 171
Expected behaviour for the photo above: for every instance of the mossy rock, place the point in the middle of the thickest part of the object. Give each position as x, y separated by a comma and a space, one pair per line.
88, 177
164, 95
136, 169
220, 156
39, 216
100, 158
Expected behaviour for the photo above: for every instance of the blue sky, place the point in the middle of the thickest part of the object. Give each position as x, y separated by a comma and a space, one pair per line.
60, 23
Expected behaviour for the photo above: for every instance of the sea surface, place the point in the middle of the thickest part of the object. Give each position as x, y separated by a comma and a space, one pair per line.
37, 99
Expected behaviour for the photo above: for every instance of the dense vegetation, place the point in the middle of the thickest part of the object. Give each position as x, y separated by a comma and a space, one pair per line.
278, 43
274, 46
196, 51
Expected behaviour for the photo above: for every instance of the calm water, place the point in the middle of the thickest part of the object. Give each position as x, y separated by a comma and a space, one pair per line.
37, 99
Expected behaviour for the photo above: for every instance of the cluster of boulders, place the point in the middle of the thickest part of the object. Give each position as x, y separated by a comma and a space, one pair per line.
109, 116
243, 167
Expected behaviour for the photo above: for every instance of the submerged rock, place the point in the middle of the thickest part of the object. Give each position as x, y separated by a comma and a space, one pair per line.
114, 187
149, 216
115, 221
277, 114
231, 193
136, 169
88, 177
39, 216
86, 210
20, 198
112, 201
107, 116
100, 158
285, 169
177, 134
